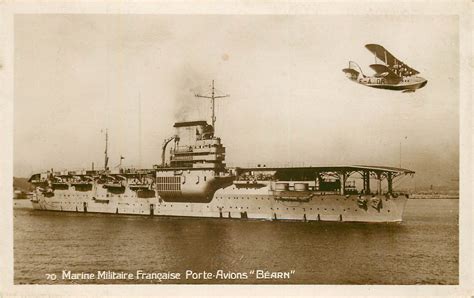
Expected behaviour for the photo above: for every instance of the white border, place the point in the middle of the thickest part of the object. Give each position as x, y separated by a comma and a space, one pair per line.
463, 9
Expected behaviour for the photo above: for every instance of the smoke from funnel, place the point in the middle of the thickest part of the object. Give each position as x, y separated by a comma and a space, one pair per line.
187, 107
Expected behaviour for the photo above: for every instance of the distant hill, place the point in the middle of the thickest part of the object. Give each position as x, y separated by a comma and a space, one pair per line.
22, 184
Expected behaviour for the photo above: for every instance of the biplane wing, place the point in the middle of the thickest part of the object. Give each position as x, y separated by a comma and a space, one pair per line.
397, 66
385, 72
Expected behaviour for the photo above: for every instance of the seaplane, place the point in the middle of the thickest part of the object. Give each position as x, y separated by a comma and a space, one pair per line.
390, 72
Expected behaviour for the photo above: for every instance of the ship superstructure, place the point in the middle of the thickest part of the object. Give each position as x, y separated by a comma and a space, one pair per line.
196, 182
197, 167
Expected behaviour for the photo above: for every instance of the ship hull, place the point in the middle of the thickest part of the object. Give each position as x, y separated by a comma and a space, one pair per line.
229, 204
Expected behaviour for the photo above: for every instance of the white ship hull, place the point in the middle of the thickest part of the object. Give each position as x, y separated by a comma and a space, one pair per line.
231, 202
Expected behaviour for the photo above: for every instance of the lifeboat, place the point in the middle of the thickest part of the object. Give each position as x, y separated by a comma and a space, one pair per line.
82, 186
59, 185
136, 187
115, 188
248, 184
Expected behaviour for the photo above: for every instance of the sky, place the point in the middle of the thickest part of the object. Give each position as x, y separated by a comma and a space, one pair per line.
290, 103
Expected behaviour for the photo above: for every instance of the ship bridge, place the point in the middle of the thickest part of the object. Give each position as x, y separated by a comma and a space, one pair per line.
195, 147
339, 173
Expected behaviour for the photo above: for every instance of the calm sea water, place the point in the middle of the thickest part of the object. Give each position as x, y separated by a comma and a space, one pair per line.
421, 250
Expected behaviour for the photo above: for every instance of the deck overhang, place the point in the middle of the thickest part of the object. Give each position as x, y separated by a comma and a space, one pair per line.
342, 172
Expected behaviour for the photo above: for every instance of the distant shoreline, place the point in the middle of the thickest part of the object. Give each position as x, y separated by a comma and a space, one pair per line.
433, 197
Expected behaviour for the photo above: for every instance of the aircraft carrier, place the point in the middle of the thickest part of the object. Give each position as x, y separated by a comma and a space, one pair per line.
197, 183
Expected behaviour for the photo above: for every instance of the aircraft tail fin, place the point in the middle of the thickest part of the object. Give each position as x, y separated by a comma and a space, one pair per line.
354, 71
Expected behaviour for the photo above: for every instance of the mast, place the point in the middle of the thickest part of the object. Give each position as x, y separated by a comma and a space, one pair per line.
213, 97
106, 161
139, 129
400, 164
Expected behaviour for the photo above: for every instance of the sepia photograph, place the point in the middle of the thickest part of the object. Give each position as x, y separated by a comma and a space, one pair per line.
236, 149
